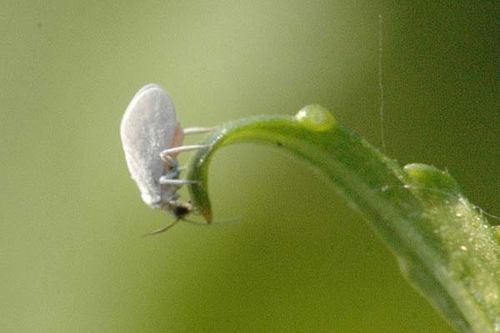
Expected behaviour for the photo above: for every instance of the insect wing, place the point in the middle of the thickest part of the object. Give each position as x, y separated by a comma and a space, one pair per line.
147, 128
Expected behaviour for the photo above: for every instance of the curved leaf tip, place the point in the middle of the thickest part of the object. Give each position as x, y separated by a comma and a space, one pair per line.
311, 118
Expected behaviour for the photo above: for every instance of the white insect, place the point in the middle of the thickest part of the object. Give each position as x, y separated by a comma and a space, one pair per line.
152, 138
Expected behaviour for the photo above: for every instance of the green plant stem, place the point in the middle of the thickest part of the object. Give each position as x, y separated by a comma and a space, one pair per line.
443, 243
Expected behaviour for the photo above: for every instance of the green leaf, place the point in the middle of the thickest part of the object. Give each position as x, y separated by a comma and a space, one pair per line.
444, 244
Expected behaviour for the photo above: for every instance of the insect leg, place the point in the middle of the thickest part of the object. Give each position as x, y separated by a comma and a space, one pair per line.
165, 180
177, 150
197, 130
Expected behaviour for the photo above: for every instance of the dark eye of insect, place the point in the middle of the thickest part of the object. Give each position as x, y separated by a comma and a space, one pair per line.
180, 211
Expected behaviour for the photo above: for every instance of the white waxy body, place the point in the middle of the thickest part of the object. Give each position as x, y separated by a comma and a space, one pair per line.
148, 127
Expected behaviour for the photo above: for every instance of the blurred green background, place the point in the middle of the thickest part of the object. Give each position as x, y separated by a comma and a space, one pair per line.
72, 258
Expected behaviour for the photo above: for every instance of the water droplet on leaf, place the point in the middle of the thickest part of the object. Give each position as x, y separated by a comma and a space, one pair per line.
316, 118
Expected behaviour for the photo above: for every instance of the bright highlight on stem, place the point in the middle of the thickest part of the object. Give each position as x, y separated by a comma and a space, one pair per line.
444, 245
